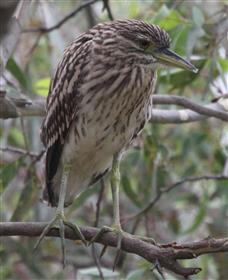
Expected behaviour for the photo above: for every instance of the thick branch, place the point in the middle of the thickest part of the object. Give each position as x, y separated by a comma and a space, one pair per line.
167, 254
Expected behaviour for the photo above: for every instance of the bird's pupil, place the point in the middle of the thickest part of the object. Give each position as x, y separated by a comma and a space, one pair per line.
144, 43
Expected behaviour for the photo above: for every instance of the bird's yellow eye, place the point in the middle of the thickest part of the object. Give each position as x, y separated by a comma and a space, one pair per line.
144, 43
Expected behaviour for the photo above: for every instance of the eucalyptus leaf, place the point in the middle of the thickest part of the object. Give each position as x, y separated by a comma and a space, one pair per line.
7, 174
198, 16
83, 196
180, 78
160, 14
198, 219
42, 86
25, 200
171, 20
135, 274
131, 194
16, 137
17, 72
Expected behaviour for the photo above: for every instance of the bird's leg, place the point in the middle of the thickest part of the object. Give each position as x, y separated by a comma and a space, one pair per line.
59, 218
115, 184
116, 226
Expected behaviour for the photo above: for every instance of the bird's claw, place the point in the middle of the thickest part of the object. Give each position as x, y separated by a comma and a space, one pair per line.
61, 222
77, 230
120, 235
102, 231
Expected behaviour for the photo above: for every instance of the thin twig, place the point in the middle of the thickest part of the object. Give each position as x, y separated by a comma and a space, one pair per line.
98, 204
62, 21
184, 102
19, 151
108, 9
25, 135
32, 49
168, 189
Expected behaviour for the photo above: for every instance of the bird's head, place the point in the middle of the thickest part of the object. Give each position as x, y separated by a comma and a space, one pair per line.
145, 42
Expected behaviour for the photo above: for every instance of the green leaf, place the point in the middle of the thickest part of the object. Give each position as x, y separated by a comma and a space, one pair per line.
180, 78
133, 9
16, 137
83, 196
179, 38
220, 67
7, 173
17, 72
25, 200
128, 189
198, 16
223, 64
171, 20
135, 274
193, 39
198, 219
42, 86
160, 15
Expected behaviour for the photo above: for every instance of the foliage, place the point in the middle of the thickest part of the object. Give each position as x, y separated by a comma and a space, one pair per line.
163, 154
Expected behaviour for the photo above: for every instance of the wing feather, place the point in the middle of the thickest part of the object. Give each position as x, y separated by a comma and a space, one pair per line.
62, 106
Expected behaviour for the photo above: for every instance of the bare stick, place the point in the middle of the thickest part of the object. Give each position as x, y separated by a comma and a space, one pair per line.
62, 21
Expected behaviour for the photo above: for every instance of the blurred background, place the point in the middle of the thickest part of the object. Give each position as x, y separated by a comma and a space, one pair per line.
164, 155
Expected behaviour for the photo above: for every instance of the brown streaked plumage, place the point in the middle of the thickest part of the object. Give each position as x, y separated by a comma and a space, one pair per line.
101, 95
98, 102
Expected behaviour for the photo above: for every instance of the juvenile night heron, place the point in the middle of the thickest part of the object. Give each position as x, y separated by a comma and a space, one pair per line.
98, 102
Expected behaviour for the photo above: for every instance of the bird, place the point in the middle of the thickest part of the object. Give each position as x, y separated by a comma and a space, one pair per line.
99, 100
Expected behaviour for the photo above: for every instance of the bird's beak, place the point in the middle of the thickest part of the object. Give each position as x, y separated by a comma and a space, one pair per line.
168, 57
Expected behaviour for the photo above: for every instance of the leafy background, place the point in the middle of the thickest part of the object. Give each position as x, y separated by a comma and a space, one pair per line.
163, 155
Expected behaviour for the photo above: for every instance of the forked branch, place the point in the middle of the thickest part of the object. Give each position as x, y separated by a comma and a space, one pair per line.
167, 255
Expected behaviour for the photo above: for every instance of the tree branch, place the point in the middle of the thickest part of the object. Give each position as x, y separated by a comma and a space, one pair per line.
166, 255
19, 151
16, 107
7, 9
200, 109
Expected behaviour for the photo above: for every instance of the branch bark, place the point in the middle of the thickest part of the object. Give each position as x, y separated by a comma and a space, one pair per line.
7, 9
195, 112
167, 255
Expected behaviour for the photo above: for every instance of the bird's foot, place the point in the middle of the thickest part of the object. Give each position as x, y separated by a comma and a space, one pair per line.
59, 221
120, 235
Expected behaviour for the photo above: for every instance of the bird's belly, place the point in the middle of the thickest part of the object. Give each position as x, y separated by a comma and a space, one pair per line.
91, 152
90, 158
